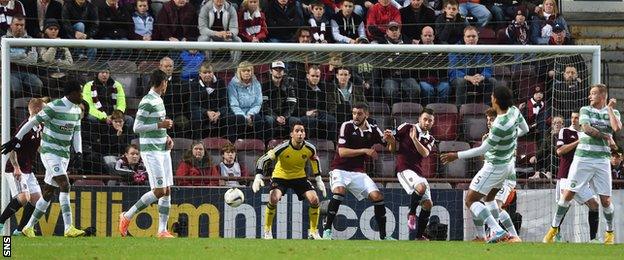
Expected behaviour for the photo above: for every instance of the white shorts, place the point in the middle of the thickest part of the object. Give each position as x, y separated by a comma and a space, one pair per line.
54, 166
158, 166
503, 193
580, 197
410, 179
584, 171
28, 184
491, 177
358, 183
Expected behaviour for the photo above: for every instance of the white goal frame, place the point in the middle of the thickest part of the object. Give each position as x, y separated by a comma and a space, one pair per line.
7, 43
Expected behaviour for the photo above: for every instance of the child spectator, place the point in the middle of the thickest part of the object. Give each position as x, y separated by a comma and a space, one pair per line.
191, 61
229, 167
130, 166
196, 162
535, 112
347, 26
143, 22
252, 22
518, 31
450, 24
319, 25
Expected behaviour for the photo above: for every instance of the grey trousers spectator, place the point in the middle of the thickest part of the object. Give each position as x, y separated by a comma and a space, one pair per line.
25, 84
234, 55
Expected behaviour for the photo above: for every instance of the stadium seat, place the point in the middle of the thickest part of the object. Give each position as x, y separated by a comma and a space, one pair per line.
456, 169
440, 186
122, 65
473, 120
445, 126
385, 165
129, 82
501, 72
110, 161
213, 147
85, 182
148, 66
381, 113
487, 36
248, 152
274, 142
326, 152
475, 164
406, 112
20, 110
156, 6
523, 71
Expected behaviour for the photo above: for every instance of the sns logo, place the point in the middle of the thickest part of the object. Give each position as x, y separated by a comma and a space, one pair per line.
67, 127
6, 246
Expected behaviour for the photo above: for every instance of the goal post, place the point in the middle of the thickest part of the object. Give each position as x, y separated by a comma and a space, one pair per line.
378, 56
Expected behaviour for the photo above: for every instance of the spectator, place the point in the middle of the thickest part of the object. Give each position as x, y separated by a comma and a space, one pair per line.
115, 22
313, 106
229, 167
23, 83
104, 95
347, 26
176, 21
38, 11
9, 9
218, 22
498, 9
617, 165
208, 105
536, 113
114, 137
283, 19
379, 16
518, 31
559, 36
191, 61
143, 22
477, 10
478, 77
544, 23
450, 24
196, 162
343, 95
175, 99
279, 97
319, 24
397, 84
80, 21
130, 166
414, 18
569, 93
544, 159
252, 22
434, 84
53, 55
245, 97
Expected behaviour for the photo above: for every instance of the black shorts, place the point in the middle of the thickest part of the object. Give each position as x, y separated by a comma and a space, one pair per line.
299, 186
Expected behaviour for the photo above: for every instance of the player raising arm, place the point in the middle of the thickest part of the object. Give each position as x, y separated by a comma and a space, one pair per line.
289, 173
591, 159
61, 119
499, 149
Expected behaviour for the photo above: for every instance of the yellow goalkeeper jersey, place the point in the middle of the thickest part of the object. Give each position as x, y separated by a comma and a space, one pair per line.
291, 162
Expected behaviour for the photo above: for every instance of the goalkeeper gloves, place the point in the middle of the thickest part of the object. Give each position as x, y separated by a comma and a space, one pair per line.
10, 145
257, 183
320, 185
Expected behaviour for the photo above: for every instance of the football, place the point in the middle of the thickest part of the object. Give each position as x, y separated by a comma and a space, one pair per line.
234, 197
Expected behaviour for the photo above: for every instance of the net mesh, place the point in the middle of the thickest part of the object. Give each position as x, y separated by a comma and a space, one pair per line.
392, 83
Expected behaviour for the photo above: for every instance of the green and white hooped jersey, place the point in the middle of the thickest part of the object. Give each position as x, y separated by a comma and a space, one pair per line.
61, 119
591, 147
503, 137
151, 111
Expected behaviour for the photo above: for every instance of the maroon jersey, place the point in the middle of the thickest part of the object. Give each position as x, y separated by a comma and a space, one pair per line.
566, 136
27, 149
353, 137
408, 158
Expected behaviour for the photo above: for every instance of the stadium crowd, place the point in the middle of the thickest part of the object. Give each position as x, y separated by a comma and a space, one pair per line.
252, 107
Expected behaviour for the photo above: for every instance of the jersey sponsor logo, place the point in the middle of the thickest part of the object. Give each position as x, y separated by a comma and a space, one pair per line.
67, 127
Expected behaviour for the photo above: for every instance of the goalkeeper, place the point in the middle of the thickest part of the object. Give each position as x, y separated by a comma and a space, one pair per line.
289, 173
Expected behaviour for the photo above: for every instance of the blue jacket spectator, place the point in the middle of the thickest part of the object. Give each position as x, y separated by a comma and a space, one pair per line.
245, 97
191, 61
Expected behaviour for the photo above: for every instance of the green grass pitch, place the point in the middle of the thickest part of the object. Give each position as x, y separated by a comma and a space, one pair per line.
225, 249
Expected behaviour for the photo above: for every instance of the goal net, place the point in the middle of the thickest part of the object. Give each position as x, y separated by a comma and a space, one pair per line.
213, 104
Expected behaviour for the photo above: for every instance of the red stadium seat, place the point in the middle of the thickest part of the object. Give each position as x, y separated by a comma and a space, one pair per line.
473, 120
458, 168
132, 106
180, 147
487, 36
274, 142
213, 147
524, 151
326, 152
248, 151
406, 112
381, 113
86, 182
445, 126
385, 165
20, 110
